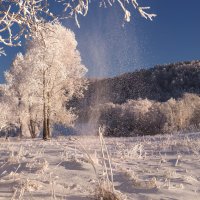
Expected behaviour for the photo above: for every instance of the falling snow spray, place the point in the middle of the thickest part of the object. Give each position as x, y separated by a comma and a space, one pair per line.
106, 54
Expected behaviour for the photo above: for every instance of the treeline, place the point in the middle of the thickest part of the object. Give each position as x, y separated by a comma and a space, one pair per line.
148, 117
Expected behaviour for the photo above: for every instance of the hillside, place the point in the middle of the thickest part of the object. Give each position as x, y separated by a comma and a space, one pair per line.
162, 99
159, 83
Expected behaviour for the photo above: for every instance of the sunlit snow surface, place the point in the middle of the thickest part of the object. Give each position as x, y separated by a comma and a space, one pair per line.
158, 167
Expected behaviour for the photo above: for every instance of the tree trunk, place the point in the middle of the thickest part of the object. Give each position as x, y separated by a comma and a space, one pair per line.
48, 127
21, 130
48, 115
45, 128
20, 121
32, 129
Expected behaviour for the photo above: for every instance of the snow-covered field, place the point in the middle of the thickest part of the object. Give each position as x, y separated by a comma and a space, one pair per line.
157, 167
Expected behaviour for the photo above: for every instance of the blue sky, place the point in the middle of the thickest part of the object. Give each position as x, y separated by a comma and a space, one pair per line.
108, 49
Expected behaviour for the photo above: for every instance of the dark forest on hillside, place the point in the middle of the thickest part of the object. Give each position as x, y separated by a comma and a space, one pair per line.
167, 90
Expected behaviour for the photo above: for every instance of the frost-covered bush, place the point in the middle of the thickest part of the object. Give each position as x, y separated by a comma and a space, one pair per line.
146, 117
152, 122
111, 117
181, 113
134, 117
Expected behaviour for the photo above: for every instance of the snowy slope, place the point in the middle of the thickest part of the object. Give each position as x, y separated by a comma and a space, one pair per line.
159, 167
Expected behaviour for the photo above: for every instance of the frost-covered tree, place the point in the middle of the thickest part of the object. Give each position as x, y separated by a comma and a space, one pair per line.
22, 17
48, 76
4, 116
7, 119
20, 95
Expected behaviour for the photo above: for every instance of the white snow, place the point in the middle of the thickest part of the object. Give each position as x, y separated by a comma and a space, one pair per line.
156, 167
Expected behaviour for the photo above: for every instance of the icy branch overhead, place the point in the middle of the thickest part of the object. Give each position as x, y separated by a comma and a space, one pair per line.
22, 17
